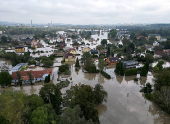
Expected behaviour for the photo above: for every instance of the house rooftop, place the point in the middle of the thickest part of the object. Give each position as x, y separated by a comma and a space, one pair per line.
17, 47
114, 59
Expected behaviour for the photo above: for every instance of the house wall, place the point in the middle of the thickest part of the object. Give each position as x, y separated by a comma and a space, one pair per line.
20, 50
108, 61
86, 50
70, 59
73, 52
23, 82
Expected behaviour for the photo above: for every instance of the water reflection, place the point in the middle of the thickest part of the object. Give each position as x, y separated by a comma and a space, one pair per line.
130, 78
160, 116
90, 76
119, 79
101, 108
101, 79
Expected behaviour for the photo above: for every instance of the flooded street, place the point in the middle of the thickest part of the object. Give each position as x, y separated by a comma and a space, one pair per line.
120, 108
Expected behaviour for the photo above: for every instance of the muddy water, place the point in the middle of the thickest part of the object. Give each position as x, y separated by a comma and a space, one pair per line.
120, 107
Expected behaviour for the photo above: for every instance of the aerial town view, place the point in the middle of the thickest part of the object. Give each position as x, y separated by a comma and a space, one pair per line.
84, 62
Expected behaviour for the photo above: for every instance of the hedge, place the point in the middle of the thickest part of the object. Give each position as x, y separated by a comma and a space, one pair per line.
130, 72
106, 75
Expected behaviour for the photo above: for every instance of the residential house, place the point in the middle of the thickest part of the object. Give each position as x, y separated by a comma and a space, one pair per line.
163, 40
18, 67
34, 44
74, 41
69, 57
103, 51
86, 49
91, 40
62, 45
72, 50
39, 45
158, 36
60, 40
167, 51
26, 41
112, 60
36, 76
155, 43
130, 64
66, 48
143, 36
19, 49
94, 51
158, 54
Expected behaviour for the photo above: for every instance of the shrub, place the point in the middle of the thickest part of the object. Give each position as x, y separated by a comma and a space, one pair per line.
149, 96
63, 68
135, 79
106, 75
130, 72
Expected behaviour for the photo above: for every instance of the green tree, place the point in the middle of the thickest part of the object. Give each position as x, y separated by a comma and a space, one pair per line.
104, 42
85, 56
73, 116
4, 39
49, 78
99, 47
30, 77
35, 101
101, 63
5, 79
84, 96
162, 79
51, 94
100, 94
119, 68
77, 63
108, 51
144, 71
112, 33
125, 41
44, 115
14, 107
133, 36
39, 116
19, 77
3, 120
147, 88
119, 55
149, 57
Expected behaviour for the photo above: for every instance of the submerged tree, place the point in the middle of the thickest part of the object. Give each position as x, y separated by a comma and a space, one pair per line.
5, 79
30, 77
51, 94
100, 94
101, 64
19, 78
77, 63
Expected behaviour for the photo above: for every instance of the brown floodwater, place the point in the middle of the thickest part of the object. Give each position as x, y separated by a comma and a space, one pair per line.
125, 104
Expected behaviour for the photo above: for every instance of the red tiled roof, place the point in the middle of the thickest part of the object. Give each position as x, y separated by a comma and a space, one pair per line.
159, 52
36, 74
142, 36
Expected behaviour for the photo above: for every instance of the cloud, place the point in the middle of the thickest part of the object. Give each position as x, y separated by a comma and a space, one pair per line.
85, 12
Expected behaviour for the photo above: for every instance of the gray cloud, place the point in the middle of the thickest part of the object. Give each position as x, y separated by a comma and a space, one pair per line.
85, 12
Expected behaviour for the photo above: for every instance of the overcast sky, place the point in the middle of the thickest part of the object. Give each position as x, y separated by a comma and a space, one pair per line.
85, 11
